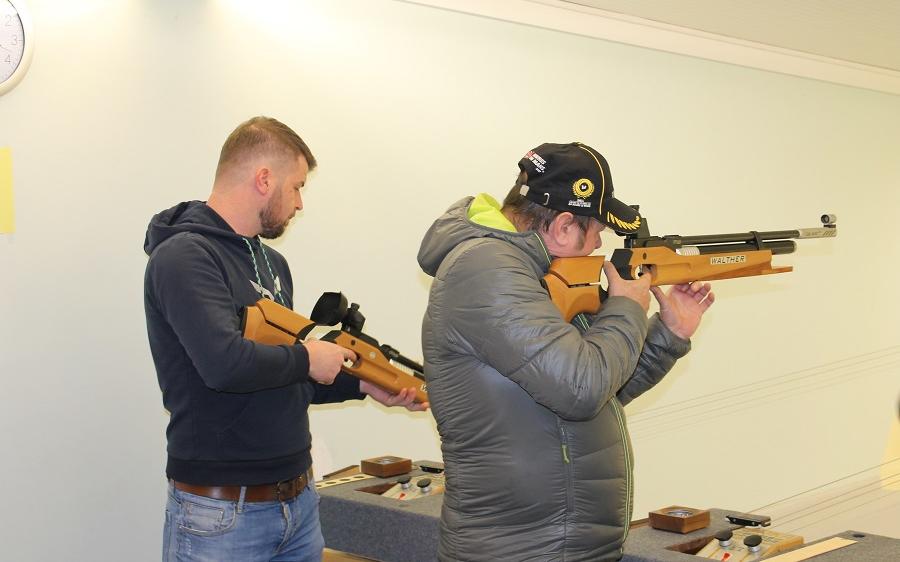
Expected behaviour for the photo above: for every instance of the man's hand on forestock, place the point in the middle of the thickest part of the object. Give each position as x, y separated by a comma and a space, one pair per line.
637, 290
403, 398
682, 306
326, 360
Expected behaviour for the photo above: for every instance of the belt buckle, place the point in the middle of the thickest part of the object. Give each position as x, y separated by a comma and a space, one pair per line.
278, 490
290, 485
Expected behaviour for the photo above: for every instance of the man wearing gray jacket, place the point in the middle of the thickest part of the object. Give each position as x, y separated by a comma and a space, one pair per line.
529, 407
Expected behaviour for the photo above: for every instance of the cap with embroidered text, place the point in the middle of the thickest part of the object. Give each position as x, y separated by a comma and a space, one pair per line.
574, 177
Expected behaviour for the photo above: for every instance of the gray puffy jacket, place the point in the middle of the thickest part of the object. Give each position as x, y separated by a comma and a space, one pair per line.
529, 407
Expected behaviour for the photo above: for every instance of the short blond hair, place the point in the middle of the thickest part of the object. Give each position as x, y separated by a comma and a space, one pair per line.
262, 135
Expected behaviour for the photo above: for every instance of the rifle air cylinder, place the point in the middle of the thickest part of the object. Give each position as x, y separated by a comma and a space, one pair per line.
776, 246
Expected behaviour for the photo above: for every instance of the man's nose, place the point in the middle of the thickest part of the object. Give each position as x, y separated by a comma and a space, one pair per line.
298, 203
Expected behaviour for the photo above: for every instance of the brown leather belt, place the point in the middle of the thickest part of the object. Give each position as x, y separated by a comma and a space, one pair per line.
279, 491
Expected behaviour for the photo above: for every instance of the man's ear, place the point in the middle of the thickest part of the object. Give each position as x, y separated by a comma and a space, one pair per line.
562, 228
262, 180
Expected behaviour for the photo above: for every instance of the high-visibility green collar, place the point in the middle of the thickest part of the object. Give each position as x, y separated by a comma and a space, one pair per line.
484, 210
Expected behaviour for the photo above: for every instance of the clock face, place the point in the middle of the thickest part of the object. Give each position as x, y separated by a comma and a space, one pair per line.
12, 40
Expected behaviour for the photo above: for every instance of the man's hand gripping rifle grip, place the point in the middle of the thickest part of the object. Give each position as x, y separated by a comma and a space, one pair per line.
269, 323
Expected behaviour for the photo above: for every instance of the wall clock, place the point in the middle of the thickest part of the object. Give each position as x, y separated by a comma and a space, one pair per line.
16, 43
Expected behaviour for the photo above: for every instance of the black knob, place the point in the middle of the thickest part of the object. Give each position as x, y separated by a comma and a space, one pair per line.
404, 482
423, 482
752, 542
724, 537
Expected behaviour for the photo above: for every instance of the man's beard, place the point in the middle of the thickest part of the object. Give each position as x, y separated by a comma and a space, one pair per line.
271, 228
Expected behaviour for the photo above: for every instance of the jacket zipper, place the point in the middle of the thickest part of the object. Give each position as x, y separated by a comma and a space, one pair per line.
626, 443
567, 461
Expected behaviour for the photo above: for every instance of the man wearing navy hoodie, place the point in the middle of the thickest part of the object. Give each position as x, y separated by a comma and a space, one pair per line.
239, 464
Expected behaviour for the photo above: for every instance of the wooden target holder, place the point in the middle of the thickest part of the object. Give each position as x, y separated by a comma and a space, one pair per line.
679, 519
772, 543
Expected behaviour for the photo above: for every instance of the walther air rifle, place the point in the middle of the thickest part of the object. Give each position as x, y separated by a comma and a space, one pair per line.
270, 323
574, 283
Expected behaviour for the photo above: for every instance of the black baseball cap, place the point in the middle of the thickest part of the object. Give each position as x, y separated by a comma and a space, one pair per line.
575, 178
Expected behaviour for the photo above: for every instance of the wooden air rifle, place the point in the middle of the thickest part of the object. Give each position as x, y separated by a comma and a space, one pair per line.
270, 323
574, 283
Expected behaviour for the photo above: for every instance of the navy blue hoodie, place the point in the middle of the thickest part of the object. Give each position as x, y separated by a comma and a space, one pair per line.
238, 408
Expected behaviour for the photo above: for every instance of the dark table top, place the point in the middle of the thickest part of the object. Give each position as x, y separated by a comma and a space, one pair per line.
390, 530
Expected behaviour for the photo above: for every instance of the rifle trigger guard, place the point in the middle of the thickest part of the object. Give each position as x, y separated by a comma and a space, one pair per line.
301, 335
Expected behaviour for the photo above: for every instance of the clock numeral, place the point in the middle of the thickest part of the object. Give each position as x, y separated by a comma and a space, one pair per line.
8, 21
15, 40
8, 60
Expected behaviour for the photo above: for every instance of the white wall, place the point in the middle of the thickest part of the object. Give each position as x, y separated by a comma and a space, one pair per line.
407, 109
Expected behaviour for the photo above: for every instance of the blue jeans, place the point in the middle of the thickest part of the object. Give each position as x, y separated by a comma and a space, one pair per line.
201, 529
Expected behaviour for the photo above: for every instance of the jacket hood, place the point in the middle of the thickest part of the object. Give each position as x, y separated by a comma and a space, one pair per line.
455, 227
190, 216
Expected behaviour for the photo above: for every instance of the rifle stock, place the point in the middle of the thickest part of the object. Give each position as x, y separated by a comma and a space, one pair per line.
270, 323
574, 283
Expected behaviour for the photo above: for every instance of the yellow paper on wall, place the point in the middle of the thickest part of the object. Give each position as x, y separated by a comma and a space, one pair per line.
7, 217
